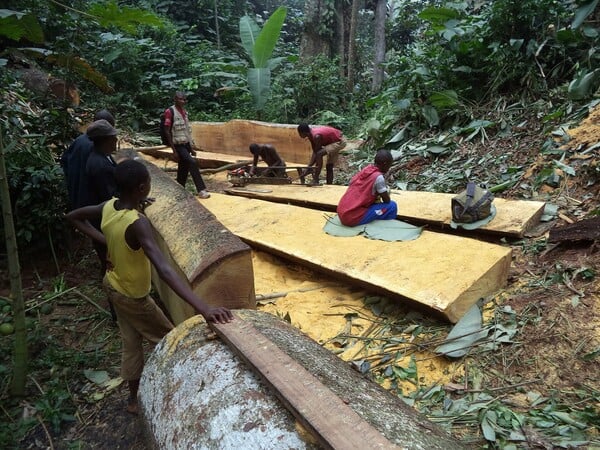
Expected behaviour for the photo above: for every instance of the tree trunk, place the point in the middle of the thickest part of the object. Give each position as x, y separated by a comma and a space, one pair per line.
312, 42
380, 18
341, 37
17, 387
218, 34
217, 264
195, 393
351, 64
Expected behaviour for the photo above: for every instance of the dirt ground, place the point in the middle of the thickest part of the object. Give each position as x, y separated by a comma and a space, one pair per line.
559, 319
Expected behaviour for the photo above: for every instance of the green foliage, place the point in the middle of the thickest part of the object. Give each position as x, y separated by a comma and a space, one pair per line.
17, 25
259, 46
471, 52
56, 369
306, 90
35, 179
128, 19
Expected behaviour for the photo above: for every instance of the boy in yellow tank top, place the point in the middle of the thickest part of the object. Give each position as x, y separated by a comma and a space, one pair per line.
131, 250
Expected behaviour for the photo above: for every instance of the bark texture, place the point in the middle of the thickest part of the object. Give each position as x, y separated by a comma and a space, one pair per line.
584, 230
312, 43
379, 58
216, 263
196, 394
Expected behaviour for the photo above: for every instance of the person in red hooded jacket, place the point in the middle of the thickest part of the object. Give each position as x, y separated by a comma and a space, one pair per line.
359, 204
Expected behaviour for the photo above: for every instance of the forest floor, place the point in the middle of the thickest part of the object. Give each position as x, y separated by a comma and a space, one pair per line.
553, 296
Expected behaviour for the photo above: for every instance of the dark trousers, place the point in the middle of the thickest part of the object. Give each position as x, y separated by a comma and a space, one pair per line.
187, 164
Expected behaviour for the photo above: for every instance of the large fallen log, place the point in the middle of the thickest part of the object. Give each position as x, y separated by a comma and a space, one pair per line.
195, 393
217, 264
235, 136
444, 273
513, 217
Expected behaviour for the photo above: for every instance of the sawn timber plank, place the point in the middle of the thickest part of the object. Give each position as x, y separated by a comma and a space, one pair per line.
445, 273
513, 217
332, 422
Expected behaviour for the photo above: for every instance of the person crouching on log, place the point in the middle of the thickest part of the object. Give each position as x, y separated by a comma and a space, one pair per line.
131, 249
359, 204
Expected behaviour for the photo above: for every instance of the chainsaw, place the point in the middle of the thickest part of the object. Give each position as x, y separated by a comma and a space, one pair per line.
241, 177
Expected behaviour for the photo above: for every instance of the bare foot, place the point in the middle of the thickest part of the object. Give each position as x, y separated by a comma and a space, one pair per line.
133, 407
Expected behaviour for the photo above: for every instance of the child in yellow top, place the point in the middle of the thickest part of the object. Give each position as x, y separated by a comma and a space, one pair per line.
131, 249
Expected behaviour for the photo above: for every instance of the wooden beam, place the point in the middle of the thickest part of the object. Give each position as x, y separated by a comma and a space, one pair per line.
332, 422
513, 217
235, 136
446, 274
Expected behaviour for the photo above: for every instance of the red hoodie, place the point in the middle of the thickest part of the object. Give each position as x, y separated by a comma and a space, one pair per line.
359, 196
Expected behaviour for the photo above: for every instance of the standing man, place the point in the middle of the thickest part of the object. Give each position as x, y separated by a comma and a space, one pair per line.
179, 138
268, 154
359, 204
74, 160
324, 140
100, 174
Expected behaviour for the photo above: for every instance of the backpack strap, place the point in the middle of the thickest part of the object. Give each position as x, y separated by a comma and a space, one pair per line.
470, 194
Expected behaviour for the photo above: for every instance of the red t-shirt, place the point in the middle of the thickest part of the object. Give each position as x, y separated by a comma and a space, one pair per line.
169, 116
329, 135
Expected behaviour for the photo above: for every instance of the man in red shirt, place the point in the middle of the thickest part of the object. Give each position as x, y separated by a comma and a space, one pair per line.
179, 138
324, 140
359, 205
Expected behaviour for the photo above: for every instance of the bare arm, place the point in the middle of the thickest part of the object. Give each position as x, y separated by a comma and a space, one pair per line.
317, 145
385, 197
168, 135
142, 232
79, 218
254, 164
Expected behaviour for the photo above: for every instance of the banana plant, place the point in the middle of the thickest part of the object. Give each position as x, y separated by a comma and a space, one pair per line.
259, 45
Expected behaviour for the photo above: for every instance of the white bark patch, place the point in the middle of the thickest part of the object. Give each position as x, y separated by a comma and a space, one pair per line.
205, 398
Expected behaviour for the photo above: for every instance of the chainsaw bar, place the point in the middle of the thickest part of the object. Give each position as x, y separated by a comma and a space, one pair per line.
242, 181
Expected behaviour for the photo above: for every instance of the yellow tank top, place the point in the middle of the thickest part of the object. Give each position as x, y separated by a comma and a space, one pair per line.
130, 271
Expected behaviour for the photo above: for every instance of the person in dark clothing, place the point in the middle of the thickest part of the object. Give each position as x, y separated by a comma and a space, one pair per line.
100, 166
100, 173
74, 160
268, 154
179, 138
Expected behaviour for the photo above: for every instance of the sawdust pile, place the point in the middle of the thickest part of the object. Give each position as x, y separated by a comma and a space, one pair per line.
586, 134
330, 312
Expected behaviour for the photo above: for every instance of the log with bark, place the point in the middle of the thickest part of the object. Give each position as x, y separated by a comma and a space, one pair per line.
217, 264
196, 393
584, 230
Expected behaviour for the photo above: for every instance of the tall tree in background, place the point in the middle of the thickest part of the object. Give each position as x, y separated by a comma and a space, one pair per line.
330, 29
379, 43
318, 29
20, 355
351, 66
